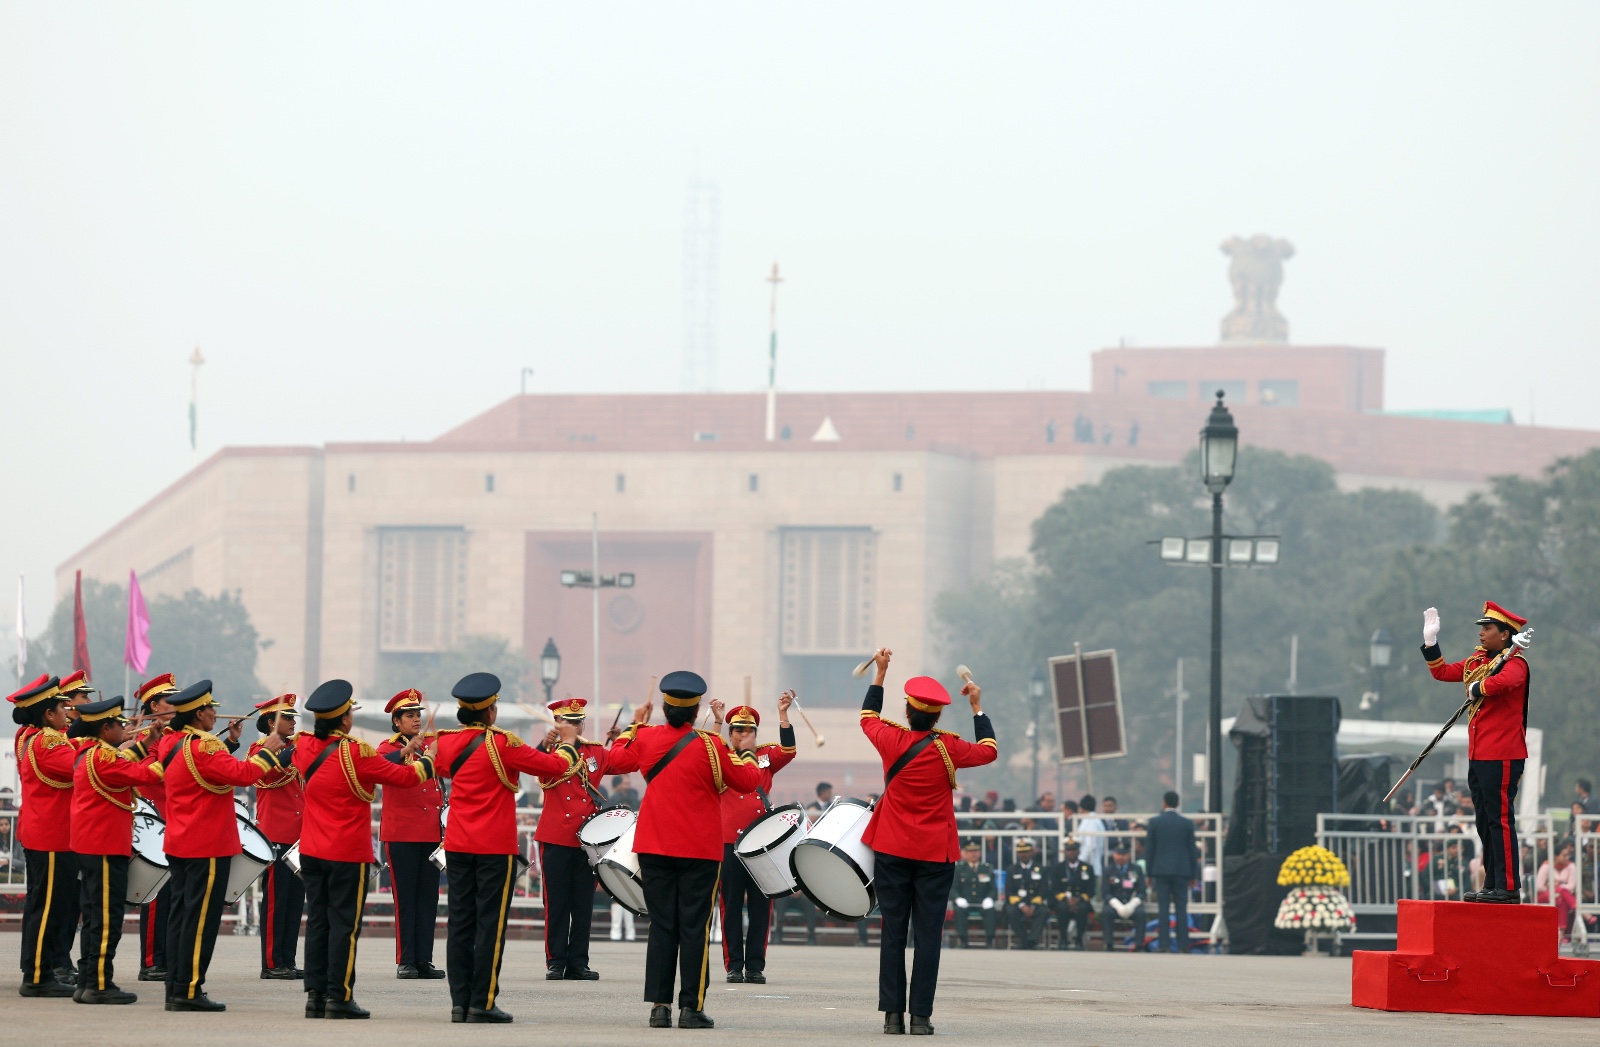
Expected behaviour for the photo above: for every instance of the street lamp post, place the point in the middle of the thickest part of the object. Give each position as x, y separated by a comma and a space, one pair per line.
593, 580
1379, 655
1219, 452
1035, 697
549, 668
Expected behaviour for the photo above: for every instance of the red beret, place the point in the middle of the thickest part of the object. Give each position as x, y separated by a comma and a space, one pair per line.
927, 694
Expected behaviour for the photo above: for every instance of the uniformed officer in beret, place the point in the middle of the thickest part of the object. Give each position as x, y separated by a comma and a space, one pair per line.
482, 860
341, 776
104, 784
974, 894
280, 806
913, 834
409, 831
44, 828
678, 839
564, 872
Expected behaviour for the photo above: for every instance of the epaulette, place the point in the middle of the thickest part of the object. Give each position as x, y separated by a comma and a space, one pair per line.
952, 734
511, 739
210, 743
450, 730
52, 738
891, 723
363, 749
708, 734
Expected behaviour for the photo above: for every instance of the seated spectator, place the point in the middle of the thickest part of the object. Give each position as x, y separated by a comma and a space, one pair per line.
1557, 883
1027, 888
1447, 872
624, 793
974, 893
1124, 897
1108, 808
1584, 791
1072, 884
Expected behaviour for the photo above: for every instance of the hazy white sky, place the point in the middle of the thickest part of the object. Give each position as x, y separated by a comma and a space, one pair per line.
370, 217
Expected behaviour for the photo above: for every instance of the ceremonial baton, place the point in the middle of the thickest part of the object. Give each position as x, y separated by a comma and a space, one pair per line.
1521, 640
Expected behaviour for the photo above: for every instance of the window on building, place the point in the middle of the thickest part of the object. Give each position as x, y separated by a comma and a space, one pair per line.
1232, 389
622, 482
422, 588
1279, 392
488, 483
899, 483
350, 483
755, 483
829, 591
1168, 390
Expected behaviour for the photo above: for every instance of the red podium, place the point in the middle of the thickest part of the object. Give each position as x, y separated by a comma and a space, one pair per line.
1473, 958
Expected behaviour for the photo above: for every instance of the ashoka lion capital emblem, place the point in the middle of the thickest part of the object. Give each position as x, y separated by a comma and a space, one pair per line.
1256, 273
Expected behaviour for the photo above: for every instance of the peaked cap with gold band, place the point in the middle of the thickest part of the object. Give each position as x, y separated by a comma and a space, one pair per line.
1494, 614
477, 691
331, 699
195, 696
682, 688
76, 683
925, 694
743, 716
43, 689
568, 709
156, 687
110, 709
283, 704
405, 701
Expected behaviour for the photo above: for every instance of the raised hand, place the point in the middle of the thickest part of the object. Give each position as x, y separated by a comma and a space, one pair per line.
881, 657
785, 700
974, 695
642, 713
717, 707
1430, 626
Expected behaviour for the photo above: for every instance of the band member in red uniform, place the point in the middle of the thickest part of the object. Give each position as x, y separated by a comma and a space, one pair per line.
480, 840
744, 956
75, 691
913, 834
202, 836
341, 776
1496, 677
153, 928
678, 839
409, 832
103, 784
44, 828
280, 803
565, 877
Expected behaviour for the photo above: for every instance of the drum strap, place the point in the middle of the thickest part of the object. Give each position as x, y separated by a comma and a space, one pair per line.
166, 762
766, 801
661, 764
472, 747
905, 758
323, 755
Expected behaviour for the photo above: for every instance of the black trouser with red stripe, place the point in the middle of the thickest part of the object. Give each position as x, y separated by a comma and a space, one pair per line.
52, 877
568, 884
678, 892
336, 894
199, 887
414, 884
153, 928
1493, 784
103, 898
739, 894
283, 897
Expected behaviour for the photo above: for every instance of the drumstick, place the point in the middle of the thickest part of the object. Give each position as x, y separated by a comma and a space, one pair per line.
617, 718
821, 741
965, 673
861, 670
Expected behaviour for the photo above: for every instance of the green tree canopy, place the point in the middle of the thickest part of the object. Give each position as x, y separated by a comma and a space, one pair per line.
435, 674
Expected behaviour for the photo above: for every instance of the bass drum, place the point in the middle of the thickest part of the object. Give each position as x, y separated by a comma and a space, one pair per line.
619, 874
832, 866
604, 828
248, 866
764, 847
148, 870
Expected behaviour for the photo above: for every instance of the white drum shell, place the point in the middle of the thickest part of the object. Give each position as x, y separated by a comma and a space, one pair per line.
437, 857
832, 866
764, 847
602, 829
619, 874
248, 866
148, 869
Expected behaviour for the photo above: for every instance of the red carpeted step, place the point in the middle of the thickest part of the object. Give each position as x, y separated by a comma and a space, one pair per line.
1468, 958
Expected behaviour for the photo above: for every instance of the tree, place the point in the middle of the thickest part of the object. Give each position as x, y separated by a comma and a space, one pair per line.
1096, 580
435, 674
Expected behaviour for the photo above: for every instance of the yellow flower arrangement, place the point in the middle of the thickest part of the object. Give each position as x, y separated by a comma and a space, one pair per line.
1313, 866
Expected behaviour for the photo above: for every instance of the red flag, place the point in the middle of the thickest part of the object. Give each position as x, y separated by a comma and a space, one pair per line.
80, 631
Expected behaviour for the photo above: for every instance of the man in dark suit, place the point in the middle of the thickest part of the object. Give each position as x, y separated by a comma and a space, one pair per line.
1172, 863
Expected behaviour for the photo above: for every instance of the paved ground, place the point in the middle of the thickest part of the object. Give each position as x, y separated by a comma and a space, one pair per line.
816, 995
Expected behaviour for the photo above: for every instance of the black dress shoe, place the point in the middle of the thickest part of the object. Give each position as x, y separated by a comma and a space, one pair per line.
152, 974
1470, 896
581, 974
660, 1016
689, 1018
345, 1009
201, 1002
407, 971
280, 974
1500, 896
491, 1014
921, 1026
458, 1014
554, 973
110, 994
429, 972
316, 1004
51, 987
736, 976
755, 977
66, 975
894, 1023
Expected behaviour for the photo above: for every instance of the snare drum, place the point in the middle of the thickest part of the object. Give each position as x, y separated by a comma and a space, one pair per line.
832, 866
248, 866
602, 829
764, 846
148, 870
619, 874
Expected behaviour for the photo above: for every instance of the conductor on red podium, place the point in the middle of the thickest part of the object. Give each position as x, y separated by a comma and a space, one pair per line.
1496, 679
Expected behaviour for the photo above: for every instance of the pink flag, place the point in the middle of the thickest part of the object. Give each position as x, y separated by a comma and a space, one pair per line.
136, 655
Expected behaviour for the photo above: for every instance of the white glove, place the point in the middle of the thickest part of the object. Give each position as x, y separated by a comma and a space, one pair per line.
961, 903
1430, 626
988, 903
